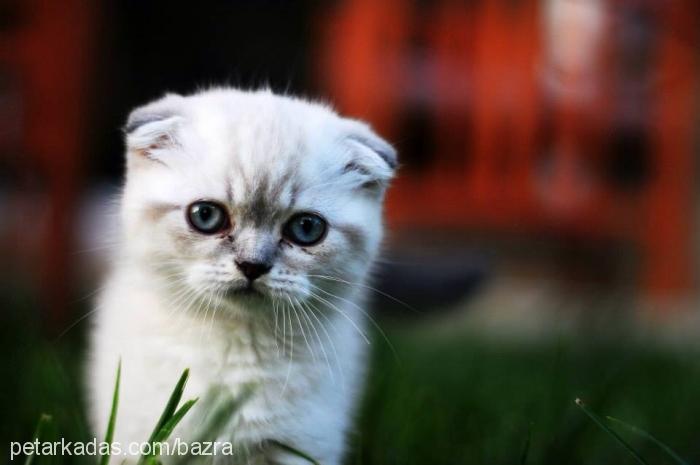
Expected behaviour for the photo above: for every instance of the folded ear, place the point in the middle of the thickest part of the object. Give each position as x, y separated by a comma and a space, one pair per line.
372, 160
153, 127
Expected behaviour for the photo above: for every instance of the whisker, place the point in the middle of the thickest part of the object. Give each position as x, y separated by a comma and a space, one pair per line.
367, 315
275, 312
333, 306
291, 354
304, 309
275, 335
303, 333
90, 294
315, 309
206, 310
365, 286
76, 322
217, 302
284, 328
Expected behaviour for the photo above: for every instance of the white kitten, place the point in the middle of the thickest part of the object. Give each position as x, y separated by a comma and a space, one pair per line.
250, 221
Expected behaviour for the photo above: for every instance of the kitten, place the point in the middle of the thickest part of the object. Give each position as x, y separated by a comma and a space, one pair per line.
250, 222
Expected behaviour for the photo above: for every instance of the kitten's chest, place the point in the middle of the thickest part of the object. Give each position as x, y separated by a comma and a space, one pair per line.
241, 354
240, 361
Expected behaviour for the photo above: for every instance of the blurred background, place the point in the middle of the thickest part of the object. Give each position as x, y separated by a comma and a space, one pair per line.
543, 230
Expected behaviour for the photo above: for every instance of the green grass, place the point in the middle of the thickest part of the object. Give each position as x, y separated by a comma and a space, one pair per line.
463, 399
172, 415
44, 421
639, 432
670, 452
109, 434
612, 433
451, 398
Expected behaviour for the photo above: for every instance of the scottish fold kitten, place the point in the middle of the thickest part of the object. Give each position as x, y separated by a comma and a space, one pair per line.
250, 222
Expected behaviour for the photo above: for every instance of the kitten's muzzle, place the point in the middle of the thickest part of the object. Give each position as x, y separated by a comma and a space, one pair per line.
253, 270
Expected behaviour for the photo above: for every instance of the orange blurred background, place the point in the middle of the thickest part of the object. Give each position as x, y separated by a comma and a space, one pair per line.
558, 131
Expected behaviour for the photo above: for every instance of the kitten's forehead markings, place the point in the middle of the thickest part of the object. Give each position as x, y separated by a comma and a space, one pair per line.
229, 191
279, 186
259, 206
294, 194
263, 204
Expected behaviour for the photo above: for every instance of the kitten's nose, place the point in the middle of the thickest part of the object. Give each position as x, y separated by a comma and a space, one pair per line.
253, 270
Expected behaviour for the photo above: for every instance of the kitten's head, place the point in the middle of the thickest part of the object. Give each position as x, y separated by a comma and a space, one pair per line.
250, 195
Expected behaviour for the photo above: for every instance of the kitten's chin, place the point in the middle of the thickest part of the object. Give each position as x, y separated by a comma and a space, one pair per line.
244, 293
257, 294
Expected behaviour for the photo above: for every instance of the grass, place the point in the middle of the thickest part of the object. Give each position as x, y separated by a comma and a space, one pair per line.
670, 452
458, 398
44, 421
109, 434
172, 415
602, 424
452, 397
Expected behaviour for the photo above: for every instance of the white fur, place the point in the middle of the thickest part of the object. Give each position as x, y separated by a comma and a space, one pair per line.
164, 307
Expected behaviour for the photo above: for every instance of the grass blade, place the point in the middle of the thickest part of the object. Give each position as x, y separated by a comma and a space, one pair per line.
168, 428
640, 432
167, 415
172, 404
44, 420
612, 433
109, 435
296, 452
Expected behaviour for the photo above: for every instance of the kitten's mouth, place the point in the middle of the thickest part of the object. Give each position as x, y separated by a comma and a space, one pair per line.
245, 291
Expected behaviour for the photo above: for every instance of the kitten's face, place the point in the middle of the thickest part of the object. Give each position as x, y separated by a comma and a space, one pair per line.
242, 196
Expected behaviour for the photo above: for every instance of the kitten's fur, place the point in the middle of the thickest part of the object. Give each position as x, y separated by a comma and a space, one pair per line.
168, 303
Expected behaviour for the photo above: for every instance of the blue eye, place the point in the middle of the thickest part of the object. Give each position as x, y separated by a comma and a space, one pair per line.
305, 229
207, 217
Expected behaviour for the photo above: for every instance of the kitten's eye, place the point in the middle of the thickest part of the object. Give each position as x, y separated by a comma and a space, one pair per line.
207, 217
305, 229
